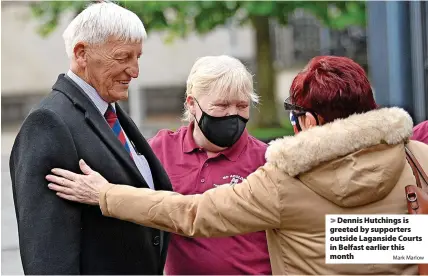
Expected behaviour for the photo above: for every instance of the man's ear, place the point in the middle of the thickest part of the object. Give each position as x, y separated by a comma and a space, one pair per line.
80, 54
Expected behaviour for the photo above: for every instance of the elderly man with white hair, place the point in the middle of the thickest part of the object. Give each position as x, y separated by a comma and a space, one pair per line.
80, 119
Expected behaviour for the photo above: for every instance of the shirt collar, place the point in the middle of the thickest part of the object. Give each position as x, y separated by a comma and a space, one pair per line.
91, 92
232, 153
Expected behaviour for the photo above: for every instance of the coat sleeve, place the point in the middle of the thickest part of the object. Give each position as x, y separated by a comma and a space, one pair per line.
48, 226
227, 210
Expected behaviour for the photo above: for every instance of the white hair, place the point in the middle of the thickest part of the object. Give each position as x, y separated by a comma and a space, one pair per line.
99, 21
222, 75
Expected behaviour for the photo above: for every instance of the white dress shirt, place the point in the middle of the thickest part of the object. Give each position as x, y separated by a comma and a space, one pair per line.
139, 160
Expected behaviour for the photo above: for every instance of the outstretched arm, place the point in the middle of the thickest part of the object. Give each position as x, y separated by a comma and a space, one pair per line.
226, 210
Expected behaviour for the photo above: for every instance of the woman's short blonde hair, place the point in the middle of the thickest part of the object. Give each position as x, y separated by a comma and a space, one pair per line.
222, 75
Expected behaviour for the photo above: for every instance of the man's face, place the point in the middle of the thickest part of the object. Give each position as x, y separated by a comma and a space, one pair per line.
110, 67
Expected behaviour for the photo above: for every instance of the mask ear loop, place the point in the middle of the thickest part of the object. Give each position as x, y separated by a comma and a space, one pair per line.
316, 117
295, 121
199, 108
294, 118
197, 103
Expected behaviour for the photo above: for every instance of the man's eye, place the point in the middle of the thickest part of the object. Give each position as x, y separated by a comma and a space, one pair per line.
121, 58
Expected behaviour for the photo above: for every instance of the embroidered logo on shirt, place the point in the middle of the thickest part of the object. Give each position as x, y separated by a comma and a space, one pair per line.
233, 178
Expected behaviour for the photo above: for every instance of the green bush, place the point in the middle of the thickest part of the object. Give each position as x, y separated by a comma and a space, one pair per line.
266, 134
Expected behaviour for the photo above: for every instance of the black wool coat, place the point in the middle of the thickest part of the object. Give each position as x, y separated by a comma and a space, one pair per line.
61, 237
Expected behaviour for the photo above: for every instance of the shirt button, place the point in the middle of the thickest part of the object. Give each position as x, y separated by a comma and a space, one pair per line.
156, 240
202, 180
206, 165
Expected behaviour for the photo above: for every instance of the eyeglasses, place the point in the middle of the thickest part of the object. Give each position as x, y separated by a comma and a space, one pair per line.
288, 106
297, 111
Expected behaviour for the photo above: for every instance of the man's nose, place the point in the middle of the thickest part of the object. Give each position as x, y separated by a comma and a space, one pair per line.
133, 70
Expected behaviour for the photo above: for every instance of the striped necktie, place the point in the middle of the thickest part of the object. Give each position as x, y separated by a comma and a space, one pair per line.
113, 122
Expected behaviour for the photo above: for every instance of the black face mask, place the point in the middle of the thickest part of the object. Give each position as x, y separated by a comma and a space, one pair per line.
222, 131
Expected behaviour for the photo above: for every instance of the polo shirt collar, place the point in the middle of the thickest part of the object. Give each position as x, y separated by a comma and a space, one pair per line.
189, 144
232, 153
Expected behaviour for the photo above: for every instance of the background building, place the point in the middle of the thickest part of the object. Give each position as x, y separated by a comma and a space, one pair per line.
398, 54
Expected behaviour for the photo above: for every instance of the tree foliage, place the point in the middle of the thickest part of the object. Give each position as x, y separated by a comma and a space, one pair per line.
180, 18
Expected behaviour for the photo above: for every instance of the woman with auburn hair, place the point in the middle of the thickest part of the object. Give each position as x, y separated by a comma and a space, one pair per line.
347, 157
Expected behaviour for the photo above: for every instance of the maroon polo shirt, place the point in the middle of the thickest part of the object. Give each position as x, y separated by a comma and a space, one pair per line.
420, 132
192, 172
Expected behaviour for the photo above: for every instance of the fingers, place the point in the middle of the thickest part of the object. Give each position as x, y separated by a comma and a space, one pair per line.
61, 189
66, 174
60, 181
84, 167
68, 197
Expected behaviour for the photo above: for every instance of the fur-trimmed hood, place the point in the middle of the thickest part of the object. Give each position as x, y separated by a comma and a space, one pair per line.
356, 154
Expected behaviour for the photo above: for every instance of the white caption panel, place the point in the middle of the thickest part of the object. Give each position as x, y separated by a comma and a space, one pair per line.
376, 239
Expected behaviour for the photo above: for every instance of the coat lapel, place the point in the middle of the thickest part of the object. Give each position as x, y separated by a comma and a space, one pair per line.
160, 177
97, 122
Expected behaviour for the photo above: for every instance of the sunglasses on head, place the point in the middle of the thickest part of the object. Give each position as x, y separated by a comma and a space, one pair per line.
297, 111
288, 106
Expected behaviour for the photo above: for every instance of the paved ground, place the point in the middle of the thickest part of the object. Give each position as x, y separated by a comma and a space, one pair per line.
10, 258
